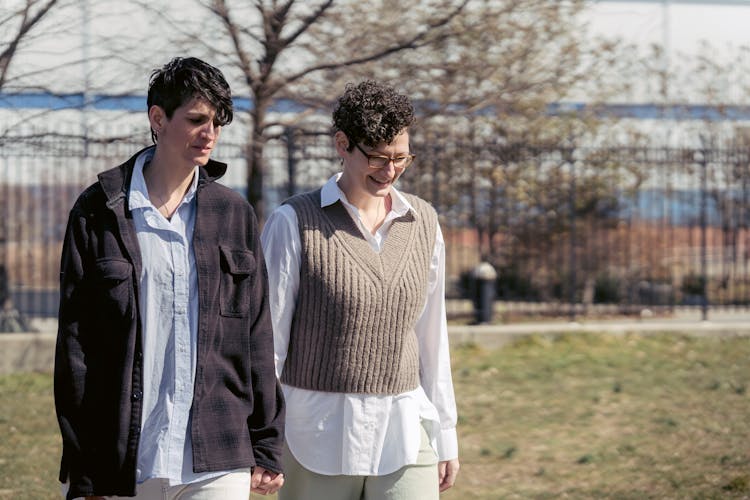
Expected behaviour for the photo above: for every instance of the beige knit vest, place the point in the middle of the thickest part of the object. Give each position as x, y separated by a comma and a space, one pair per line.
353, 325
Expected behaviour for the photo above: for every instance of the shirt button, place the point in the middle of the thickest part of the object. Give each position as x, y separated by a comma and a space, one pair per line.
137, 395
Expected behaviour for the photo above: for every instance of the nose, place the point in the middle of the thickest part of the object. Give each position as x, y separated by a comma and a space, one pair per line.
388, 169
210, 131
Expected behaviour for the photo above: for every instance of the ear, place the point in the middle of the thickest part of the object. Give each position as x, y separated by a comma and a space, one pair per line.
341, 142
157, 117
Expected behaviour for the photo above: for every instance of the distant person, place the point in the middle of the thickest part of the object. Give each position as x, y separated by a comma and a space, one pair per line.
356, 272
164, 374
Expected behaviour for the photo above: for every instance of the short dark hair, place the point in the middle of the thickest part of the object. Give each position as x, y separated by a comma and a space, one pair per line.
184, 78
371, 113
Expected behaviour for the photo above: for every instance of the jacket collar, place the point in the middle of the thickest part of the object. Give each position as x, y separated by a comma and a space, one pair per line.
116, 181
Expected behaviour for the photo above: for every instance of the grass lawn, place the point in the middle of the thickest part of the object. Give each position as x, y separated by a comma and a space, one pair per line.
577, 416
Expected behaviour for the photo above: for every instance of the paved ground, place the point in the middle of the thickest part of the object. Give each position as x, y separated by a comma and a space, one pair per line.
689, 322
35, 351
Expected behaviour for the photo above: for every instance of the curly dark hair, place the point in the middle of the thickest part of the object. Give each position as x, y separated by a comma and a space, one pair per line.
184, 78
372, 113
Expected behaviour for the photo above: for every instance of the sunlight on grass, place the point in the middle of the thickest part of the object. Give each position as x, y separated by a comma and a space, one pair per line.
575, 416
597, 416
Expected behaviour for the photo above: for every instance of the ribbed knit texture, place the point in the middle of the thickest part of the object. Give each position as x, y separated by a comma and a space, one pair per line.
353, 325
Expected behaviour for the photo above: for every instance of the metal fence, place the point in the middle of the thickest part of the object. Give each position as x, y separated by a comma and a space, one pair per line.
570, 230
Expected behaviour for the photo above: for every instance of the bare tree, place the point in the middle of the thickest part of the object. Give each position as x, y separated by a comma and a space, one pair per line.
290, 49
714, 79
73, 51
18, 24
489, 87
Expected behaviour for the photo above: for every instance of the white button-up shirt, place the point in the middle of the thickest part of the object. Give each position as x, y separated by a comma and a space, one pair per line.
169, 319
362, 434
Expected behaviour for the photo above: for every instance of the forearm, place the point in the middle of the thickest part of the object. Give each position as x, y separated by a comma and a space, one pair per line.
70, 367
266, 424
436, 378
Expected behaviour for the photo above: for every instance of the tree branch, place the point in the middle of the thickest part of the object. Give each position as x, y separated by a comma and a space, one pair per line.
27, 23
306, 22
219, 7
414, 42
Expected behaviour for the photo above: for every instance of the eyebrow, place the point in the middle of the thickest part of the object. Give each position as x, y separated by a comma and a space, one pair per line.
198, 115
380, 153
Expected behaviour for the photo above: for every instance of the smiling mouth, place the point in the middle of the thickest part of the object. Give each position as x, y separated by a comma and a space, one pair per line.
387, 181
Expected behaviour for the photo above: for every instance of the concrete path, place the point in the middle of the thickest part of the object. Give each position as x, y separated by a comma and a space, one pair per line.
35, 351
726, 324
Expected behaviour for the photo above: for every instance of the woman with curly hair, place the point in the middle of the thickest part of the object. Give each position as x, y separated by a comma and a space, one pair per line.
356, 272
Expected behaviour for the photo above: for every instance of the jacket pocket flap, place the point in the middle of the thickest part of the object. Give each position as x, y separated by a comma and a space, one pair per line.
238, 262
115, 270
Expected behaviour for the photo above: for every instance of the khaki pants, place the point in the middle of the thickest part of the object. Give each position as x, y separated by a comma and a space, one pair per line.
231, 486
412, 482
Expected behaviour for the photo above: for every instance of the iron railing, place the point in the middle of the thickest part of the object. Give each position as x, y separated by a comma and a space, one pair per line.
571, 230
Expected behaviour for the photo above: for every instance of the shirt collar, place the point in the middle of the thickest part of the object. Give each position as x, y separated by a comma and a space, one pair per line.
330, 193
139, 191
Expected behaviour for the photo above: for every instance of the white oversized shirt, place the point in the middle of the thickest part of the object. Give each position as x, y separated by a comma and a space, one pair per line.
362, 434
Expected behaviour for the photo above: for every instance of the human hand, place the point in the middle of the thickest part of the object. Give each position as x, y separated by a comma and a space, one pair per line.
265, 482
447, 472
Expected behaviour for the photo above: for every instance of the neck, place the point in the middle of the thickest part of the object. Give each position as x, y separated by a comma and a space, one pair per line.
166, 175
167, 184
363, 200
374, 211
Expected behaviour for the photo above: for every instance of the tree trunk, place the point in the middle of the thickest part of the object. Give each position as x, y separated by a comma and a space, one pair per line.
255, 163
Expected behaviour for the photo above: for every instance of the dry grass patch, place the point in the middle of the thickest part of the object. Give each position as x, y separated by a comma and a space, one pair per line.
29, 447
597, 416
579, 416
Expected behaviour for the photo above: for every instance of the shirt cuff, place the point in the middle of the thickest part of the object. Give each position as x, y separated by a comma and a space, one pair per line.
447, 444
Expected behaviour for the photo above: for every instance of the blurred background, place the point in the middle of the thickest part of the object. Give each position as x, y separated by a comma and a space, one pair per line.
595, 154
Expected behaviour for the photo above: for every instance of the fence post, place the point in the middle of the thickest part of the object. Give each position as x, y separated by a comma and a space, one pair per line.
572, 201
5, 210
291, 162
704, 230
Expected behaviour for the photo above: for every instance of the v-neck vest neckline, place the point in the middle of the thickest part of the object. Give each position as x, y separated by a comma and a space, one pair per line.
353, 326
388, 262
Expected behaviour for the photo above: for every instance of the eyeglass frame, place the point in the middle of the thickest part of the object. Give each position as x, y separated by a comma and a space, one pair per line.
390, 159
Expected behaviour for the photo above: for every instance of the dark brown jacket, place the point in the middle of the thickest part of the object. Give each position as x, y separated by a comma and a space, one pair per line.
237, 416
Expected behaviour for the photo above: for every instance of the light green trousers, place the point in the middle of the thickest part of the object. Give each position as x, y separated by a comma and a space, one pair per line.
230, 486
412, 482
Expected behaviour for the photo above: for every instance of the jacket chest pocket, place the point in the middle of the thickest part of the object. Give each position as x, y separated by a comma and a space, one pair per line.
238, 269
113, 289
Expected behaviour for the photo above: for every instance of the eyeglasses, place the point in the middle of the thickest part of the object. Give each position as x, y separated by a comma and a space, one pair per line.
380, 161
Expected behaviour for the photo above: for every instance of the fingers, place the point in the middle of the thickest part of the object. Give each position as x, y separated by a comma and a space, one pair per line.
274, 484
447, 472
265, 482
256, 477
